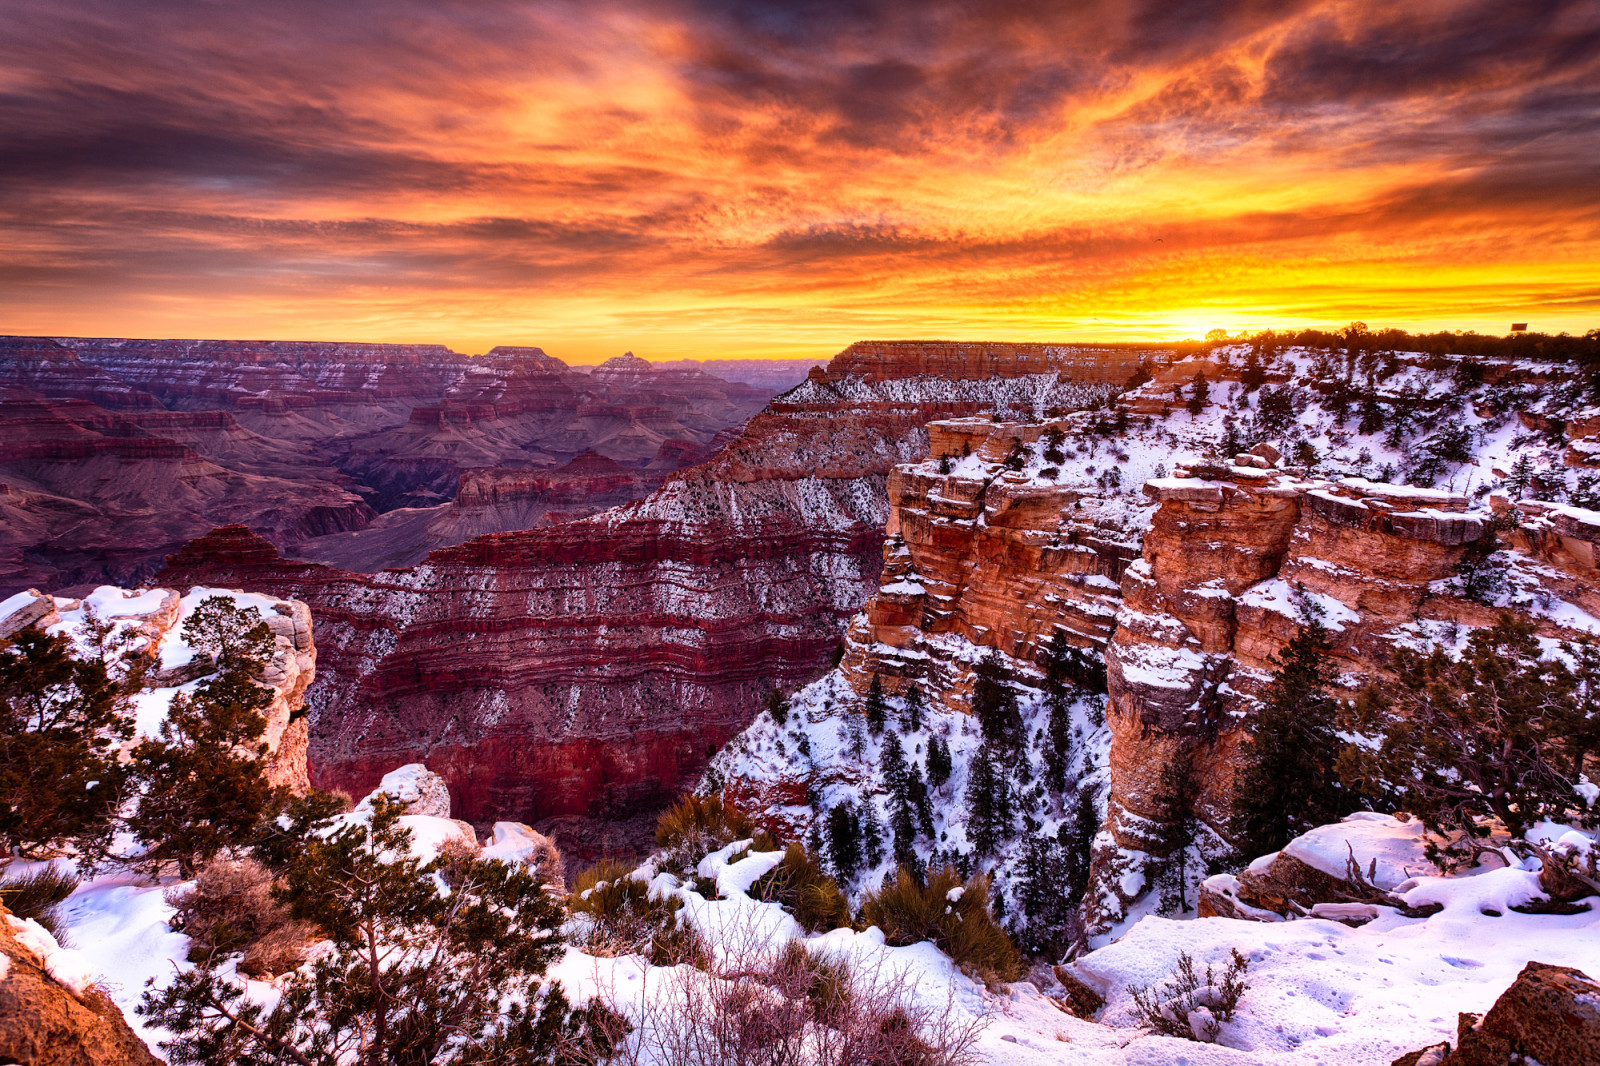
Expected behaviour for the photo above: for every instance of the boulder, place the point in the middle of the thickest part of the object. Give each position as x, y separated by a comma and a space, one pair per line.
419, 789
23, 610
515, 842
46, 1022
1549, 1015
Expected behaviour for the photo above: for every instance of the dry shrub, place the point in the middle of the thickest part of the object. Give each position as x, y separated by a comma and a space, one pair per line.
454, 854
279, 951
37, 894
230, 909
624, 920
963, 928
1186, 1006
800, 885
547, 863
758, 1006
695, 826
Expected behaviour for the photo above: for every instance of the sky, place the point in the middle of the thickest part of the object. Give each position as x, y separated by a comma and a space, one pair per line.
716, 178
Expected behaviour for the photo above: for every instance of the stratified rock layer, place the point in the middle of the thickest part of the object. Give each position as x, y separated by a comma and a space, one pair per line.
589, 669
1237, 559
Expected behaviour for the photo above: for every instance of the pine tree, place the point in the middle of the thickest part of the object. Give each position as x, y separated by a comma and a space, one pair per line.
1179, 827
62, 720
917, 790
844, 840
1492, 734
877, 708
1286, 783
895, 774
939, 763
1199, 394
235, 638
857, 731
202, 784
1077, 839
778, 707
994, 703
415, 973
1043, 896
1522, 475
871, 835
814, 836
911, 713
1372, 417
988, 806
1058, 699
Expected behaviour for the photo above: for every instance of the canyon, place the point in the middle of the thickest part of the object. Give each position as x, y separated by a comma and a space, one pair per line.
1134, 534
114, 453
577, 676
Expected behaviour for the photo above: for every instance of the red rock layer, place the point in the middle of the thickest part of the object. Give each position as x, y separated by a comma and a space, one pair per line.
590, 668
1228, 555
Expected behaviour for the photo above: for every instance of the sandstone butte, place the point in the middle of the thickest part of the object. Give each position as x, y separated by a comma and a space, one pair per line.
582, 674
1189, 598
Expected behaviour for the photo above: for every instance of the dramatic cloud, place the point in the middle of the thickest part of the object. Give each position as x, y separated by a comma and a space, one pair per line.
755, 177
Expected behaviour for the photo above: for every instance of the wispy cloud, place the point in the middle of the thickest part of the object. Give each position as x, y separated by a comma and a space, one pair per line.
756, 176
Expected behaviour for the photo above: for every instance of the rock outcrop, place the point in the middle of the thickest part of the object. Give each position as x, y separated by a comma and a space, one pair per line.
587, 671
1549, 1015
1236, 560
155, 618
48, 1021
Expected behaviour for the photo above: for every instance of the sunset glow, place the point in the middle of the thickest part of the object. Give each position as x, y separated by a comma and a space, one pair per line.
730, 179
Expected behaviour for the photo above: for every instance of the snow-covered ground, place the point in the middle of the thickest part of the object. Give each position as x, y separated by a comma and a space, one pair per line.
1320, 992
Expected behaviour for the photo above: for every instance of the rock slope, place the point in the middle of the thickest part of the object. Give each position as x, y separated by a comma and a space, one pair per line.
588, 670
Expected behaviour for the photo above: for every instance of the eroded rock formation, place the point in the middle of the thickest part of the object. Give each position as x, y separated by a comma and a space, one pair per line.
587, 671
1236, 560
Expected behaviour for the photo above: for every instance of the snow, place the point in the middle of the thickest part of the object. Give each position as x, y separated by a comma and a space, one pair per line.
1291, 601
511, 842
15, 602
1321, 992
1395, 846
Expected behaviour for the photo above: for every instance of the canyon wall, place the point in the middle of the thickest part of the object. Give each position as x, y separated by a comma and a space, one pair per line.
1186, 574
585, 672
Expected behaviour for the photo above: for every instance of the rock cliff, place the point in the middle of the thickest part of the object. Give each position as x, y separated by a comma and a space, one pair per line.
155, 618
588, 670
1140, 531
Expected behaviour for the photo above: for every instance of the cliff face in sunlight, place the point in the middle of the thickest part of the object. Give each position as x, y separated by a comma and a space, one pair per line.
1186, 572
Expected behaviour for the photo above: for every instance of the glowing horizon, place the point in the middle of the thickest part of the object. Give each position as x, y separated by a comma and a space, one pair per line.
707, 179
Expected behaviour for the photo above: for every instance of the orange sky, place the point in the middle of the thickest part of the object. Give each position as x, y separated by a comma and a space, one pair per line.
734, 177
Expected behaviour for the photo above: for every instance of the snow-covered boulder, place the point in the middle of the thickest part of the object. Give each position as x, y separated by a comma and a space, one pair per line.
420, 790
1313, 870
23, 610
515, 842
